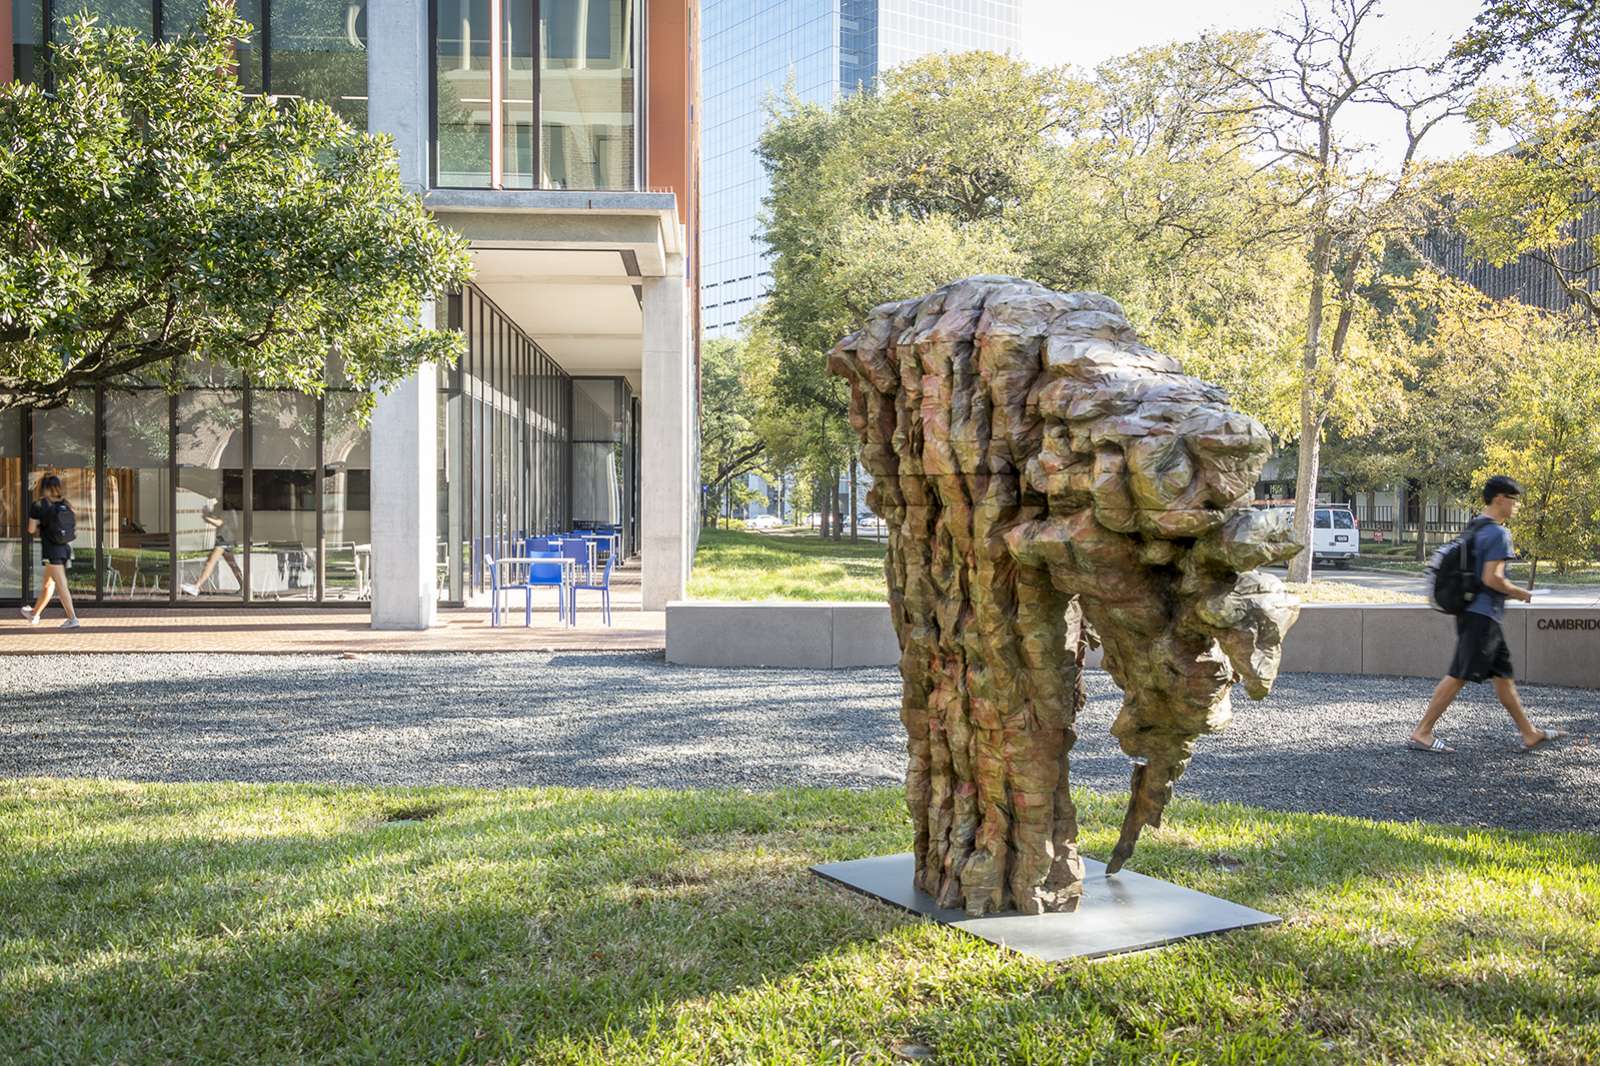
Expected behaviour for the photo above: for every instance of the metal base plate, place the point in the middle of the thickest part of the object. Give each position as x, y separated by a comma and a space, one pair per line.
1120, 913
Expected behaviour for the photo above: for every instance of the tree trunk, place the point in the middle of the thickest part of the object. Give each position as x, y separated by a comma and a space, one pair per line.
823, 502
1400, 512
1533, 573
838, 506
1305, 489
854, 507
1421, 555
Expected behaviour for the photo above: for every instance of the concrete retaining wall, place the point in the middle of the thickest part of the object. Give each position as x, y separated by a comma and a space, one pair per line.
1552, 646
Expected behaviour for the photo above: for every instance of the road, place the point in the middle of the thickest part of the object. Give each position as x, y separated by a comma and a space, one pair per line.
1390, 581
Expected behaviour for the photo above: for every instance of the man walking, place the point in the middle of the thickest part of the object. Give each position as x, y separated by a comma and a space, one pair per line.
1481, 651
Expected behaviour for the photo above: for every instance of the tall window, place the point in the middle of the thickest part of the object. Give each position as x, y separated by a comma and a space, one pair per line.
536, 94
315, 49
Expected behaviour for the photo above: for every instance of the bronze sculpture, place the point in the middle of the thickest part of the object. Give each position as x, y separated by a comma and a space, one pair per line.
1050, 483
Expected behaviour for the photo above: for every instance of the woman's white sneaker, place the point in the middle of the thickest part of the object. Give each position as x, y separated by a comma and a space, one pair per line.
71, 623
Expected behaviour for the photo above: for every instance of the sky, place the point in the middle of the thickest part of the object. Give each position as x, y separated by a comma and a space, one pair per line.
1084, 34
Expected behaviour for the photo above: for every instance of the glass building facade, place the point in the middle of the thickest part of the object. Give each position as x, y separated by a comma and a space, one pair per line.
536, 94
217, 493
756, 50
300, 48
225, 493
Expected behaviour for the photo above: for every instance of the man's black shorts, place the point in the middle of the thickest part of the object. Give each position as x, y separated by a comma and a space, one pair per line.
1481, 651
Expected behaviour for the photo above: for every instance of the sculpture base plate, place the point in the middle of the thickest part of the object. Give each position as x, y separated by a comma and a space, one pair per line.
1120, 913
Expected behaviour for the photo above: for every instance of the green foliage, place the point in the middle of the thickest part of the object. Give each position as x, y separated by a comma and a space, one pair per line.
1544, 37
1548, 438
732, 390
1525, 201
154, 217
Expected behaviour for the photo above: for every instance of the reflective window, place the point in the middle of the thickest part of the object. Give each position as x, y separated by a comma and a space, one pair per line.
210, 493
586, 93
504, 418
1344, 520
346, 500
13, 504
461, 72
133, 14
27, 40
283, 496
64, 444
136, 530
558, 112
1322, 520
319, 51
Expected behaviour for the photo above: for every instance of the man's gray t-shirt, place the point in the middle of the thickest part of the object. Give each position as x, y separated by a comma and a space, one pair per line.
1490, 543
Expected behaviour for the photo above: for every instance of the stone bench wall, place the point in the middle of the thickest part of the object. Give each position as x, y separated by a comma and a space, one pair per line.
1553, 646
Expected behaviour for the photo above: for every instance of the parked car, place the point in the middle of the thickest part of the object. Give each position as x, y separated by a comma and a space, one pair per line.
764, 521
1335, 535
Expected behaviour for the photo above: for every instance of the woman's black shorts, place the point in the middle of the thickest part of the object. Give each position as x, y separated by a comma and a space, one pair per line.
1481, 651
60, 554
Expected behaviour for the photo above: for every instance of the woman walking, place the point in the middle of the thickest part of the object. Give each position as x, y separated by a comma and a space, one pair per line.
51, 519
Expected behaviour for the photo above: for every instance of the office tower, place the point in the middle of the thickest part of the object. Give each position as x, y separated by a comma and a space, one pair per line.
753, 50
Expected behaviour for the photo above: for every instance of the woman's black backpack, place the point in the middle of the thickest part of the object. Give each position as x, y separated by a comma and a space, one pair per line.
1453, 572
60, 525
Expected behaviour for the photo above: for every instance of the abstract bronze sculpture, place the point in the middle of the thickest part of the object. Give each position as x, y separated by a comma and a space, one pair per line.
1050, 483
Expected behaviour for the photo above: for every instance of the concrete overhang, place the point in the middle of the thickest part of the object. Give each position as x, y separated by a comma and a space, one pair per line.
568, 267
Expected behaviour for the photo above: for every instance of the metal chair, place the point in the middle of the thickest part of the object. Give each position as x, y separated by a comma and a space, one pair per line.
527, 574
581, 552
603, 586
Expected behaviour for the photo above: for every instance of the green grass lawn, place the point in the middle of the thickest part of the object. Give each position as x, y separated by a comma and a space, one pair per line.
736, 565
266, 924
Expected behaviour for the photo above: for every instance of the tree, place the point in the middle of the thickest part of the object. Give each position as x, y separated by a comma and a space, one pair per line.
1559, 37
1548, 438
1304, 95
731, 445
154, 216
1137, 183
1527, 202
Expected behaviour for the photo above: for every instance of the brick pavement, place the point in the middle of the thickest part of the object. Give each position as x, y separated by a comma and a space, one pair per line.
283, 629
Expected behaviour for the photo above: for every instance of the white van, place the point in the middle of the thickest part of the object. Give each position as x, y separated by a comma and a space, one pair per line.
1335, 535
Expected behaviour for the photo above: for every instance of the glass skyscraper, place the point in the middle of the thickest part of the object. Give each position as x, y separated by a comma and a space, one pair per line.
754, 50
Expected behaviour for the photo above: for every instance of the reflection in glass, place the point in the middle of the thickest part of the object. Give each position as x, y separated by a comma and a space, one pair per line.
283, 515
210, 505
136, 535
133, 14
27, 42
517, 114
598, 405
462, 80
586, 87
13, 507
346, 500
319, 51
63, 443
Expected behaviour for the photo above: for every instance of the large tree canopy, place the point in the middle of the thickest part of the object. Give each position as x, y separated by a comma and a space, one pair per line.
154, 216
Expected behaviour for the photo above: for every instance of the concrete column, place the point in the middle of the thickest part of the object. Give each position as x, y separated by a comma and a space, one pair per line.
405, 503
405, 423
667, 476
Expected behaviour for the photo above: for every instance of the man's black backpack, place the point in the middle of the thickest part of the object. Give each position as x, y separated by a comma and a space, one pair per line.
1453, 580
60, 525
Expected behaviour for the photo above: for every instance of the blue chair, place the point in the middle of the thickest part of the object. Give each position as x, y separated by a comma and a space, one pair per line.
581, 552
603, 587
548, 573
541, 544
527, 574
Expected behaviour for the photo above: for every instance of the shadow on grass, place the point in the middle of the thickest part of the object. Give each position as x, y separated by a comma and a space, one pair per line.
283, 923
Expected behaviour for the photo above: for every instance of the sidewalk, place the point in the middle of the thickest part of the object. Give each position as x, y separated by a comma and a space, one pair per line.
275, 631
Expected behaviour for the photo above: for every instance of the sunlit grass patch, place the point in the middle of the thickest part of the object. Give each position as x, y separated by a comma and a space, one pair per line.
735, 565
251, 923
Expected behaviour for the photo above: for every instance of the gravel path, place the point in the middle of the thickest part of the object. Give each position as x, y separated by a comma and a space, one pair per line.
1319, 743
